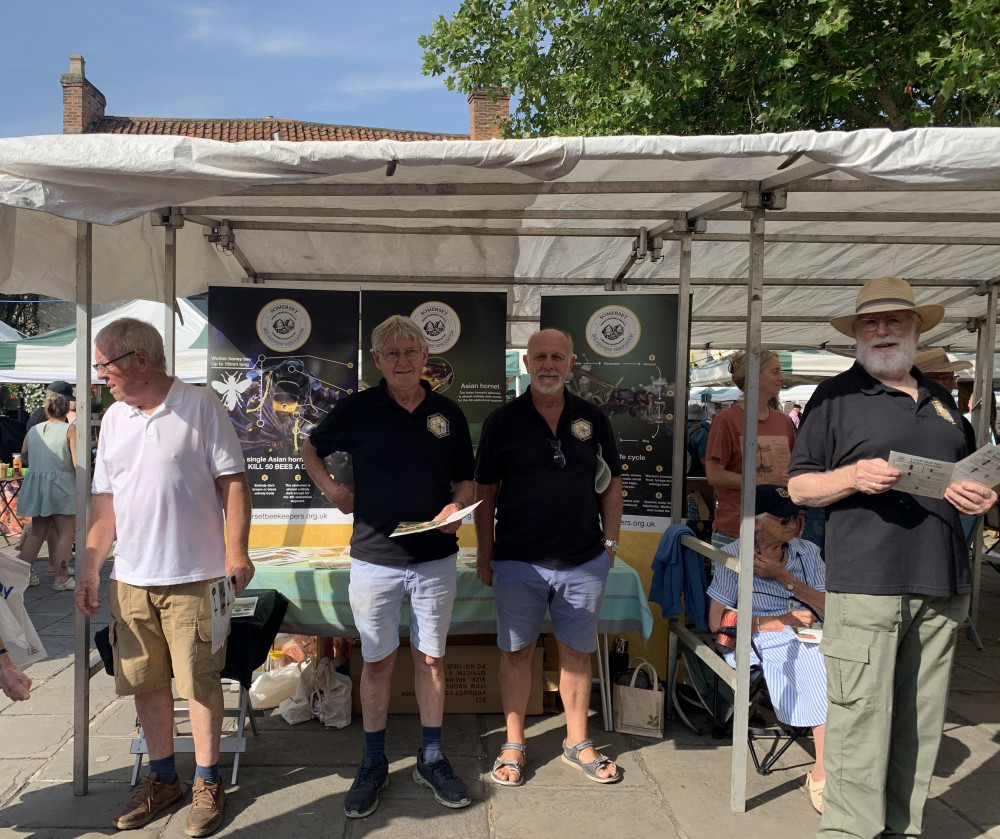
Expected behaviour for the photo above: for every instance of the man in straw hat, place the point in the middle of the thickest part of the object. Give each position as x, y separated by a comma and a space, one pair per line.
935, 365
898, 577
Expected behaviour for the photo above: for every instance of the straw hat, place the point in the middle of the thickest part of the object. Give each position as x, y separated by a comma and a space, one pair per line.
935, 360
887, 294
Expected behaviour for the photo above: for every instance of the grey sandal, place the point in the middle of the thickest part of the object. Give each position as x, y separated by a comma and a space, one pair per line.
516, 765
571, 755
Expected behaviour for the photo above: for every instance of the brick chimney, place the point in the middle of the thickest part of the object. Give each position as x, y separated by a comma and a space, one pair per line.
82, 102
488, 108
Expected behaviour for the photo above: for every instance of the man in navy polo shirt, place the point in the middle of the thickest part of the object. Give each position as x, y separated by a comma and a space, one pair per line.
897, 577
412, 457
548, 468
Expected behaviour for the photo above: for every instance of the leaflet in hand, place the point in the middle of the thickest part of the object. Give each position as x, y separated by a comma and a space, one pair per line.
930, 478
404, 528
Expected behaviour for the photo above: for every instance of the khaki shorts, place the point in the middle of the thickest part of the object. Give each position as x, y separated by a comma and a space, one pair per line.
159, 630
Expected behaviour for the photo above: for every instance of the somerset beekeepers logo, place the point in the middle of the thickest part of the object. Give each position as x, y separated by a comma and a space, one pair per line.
439, 323
438, 425
613, 331
283, 325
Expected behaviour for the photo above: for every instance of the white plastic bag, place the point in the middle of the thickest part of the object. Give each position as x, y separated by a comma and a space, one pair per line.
16, 628
331, 699
270, 689
298, 707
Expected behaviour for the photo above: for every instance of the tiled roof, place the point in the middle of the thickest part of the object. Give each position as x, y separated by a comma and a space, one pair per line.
237, 130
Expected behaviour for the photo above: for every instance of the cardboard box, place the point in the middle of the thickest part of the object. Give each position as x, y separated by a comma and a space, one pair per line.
471, 684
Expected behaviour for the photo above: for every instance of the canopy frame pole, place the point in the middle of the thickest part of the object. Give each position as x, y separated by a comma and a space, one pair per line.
681, 378
987, 326
81, 632
170, 281
751, 399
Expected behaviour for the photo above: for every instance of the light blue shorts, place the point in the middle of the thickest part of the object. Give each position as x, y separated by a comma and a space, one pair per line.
573, 596
377, 593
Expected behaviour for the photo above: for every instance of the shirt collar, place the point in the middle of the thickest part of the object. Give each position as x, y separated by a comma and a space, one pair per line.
175, 396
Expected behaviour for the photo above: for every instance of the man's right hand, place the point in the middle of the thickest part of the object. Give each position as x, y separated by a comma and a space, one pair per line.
342, 497
86, 594
483, 571
800, 617
16, 685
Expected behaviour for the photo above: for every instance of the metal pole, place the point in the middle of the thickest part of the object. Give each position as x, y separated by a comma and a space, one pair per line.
744, 619
170, 278
81, 663
677, 504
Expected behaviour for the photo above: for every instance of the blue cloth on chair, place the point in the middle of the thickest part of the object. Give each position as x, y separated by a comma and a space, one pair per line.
678, 570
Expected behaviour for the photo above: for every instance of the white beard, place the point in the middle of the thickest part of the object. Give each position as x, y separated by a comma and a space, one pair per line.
891, 364
556, 385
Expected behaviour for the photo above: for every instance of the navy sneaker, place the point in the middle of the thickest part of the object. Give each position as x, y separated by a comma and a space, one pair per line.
440, 777
362, 798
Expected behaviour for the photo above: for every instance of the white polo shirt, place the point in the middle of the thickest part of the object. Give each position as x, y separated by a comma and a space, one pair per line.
161, 470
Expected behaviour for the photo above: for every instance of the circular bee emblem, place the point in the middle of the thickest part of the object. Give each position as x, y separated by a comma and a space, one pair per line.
613, 331
439, 323
283, 325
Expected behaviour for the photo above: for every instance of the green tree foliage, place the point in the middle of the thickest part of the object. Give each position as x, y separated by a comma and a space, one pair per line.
732, 66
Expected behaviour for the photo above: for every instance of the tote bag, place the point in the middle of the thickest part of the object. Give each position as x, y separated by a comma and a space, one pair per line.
19, 635
639, 710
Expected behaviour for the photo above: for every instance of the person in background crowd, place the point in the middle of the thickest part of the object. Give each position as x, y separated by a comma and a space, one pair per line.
898, 577
724, 456
547, 467
16, 685
972, 405
697, 441
412, 456
48, 492
169, 475
795, 414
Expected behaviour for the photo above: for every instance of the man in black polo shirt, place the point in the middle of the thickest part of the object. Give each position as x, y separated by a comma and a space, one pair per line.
412, 458
898, 577
548, 468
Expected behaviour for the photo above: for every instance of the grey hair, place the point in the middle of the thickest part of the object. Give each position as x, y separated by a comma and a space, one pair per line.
129, 334
563, 332
56, 405
396, 327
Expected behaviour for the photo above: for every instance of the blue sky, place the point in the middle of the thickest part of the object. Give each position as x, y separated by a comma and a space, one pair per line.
352, 63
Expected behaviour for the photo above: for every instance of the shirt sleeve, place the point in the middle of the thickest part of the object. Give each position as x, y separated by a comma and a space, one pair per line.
720, 438
327, 436
725, 581
609, 448
464, 465
487, 468
225, 453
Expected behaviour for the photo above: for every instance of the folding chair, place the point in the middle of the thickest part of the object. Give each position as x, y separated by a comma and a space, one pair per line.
250, 639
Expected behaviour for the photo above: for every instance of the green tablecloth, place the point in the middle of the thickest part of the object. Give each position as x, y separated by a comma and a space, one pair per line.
318, 601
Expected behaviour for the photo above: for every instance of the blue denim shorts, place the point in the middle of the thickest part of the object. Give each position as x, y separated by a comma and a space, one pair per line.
573, 596
377, 593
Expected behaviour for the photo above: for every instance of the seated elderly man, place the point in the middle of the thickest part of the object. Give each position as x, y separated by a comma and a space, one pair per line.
787, 571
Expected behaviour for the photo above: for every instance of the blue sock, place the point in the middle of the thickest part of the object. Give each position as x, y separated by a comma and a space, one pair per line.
374, 747
209, 773
430, 736
165, 769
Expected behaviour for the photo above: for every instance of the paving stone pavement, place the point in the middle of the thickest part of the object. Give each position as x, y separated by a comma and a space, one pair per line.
292, 780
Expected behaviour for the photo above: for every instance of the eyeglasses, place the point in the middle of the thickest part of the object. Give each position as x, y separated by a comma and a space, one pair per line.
393, 355
783, 520
101, 366
894, 323
558, 458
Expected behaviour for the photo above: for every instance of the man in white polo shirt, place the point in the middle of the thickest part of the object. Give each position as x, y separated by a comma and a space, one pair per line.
169, 465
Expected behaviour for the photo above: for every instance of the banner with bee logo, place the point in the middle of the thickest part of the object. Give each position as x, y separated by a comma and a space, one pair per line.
279, 359
626, 346
466, 334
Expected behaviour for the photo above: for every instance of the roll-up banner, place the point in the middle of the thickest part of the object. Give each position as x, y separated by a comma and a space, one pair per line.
279, 359
466, 336
625, 346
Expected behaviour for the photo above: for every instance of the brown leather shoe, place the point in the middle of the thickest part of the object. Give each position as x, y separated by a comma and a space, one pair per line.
207, 802
150, 797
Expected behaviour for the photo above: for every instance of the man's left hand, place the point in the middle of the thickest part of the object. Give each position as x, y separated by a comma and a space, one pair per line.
454, 507
241, 569
970, 498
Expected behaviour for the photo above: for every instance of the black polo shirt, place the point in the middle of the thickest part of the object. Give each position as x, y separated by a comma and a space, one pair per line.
404, 466
547, 516
894, 542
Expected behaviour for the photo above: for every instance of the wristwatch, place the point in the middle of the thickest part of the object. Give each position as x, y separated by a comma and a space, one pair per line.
611, 545
791, 586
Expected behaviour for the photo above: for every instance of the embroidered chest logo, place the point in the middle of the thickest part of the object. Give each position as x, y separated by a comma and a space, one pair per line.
582, 429
438, 425
942, 411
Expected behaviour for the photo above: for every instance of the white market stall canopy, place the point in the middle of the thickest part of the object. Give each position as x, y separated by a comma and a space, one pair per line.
555, 215
46, 358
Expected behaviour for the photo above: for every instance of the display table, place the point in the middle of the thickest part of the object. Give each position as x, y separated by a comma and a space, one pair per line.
10, 522
319, 605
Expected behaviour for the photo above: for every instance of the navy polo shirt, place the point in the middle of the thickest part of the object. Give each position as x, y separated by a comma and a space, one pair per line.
404, 467
894, 542
545, 515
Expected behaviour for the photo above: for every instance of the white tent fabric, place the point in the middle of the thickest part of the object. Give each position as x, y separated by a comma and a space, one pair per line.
923, 204
9, 333
46, 358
